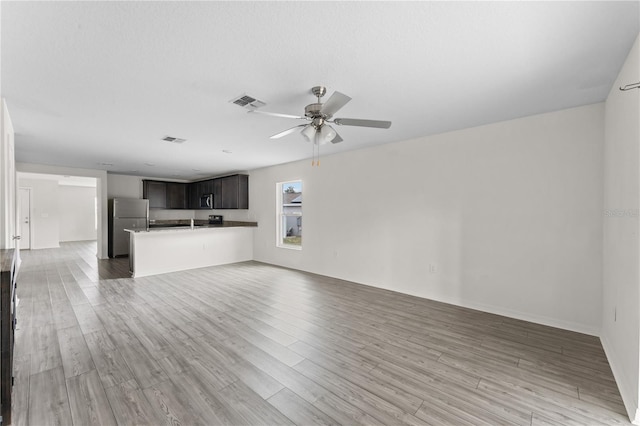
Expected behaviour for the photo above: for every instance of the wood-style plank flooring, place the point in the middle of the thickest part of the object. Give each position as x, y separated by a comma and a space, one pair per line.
254, 344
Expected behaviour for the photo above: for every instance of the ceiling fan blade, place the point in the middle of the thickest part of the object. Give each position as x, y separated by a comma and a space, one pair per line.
334, 103
286, 132
362, 123
337, 139
276, 114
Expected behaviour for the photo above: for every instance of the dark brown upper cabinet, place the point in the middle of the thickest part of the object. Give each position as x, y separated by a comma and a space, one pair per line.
229, 192
156, 192
177, 195
235, 192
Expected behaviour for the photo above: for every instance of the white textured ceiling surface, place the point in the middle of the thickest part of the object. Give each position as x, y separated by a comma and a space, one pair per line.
63, 180
102, 82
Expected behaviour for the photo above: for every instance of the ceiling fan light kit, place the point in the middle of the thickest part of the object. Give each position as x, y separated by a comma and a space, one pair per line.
318, 131
326, 134
308, 132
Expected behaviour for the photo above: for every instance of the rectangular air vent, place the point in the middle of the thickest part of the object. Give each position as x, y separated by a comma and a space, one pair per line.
173, 140
248, 102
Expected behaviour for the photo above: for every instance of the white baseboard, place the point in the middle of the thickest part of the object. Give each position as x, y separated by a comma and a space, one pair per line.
551, 322
625, 388
633, 410
497, 310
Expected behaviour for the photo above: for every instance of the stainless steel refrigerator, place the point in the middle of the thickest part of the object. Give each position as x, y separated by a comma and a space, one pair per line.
125, 213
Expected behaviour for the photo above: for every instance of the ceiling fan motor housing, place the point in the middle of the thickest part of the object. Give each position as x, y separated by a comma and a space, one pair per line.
313, 112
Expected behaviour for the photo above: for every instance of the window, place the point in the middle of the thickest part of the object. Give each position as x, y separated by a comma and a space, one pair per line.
289, 202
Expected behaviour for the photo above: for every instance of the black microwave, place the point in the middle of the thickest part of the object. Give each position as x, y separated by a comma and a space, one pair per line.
206, 201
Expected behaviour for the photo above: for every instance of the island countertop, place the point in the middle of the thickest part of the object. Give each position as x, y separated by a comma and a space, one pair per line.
200, 226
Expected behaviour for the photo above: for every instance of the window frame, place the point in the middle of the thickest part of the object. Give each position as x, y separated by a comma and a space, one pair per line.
281, 216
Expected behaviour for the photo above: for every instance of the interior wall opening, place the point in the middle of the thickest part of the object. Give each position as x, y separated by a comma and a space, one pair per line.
54, 209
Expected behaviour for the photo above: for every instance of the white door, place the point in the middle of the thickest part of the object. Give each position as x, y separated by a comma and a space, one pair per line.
24, 217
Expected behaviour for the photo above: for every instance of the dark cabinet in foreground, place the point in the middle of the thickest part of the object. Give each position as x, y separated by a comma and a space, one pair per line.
8, 273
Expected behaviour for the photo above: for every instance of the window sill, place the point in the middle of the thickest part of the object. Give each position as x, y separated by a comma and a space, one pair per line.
288, 247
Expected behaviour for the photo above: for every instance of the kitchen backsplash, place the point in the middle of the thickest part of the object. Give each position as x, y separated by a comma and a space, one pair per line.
161, 214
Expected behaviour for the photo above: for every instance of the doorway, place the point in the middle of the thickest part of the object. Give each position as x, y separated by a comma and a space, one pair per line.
24, 217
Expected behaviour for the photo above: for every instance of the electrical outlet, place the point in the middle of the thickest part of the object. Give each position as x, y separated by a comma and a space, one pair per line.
433, 268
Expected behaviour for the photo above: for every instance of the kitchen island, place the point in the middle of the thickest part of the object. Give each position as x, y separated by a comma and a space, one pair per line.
161, 250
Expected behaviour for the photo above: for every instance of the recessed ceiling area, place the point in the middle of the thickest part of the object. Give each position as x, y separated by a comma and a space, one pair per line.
63, 180
95, 85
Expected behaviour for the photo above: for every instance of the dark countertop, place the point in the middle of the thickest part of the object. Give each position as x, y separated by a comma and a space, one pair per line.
179, 225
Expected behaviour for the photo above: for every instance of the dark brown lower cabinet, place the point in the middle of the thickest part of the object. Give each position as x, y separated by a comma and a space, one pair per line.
7, 327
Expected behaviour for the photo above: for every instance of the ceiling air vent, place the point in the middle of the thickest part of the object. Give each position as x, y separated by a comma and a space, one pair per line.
248, 102
173, 140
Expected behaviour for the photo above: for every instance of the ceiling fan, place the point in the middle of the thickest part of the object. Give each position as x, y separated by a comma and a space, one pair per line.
318, 115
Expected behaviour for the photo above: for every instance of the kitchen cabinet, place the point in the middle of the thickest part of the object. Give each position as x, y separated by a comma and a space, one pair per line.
156, 192
217, 193
193, 196
176, 195
235, 192
197, 190
209, 186
229, 192
243, 191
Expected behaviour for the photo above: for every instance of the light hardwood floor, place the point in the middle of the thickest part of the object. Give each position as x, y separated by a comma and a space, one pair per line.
253, 344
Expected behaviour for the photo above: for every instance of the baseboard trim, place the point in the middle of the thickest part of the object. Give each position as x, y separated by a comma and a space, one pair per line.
551, 322
491, 309
633, 411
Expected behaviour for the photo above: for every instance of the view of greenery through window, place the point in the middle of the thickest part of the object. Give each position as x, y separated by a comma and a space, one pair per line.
291, 214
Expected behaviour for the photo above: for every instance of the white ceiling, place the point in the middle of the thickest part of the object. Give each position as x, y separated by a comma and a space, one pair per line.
63, 180
102, 82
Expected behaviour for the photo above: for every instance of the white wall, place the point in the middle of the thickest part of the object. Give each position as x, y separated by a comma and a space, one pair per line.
8, 202
77, 215
45, 229
101, 192
508, 215
124, 186
621, 278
